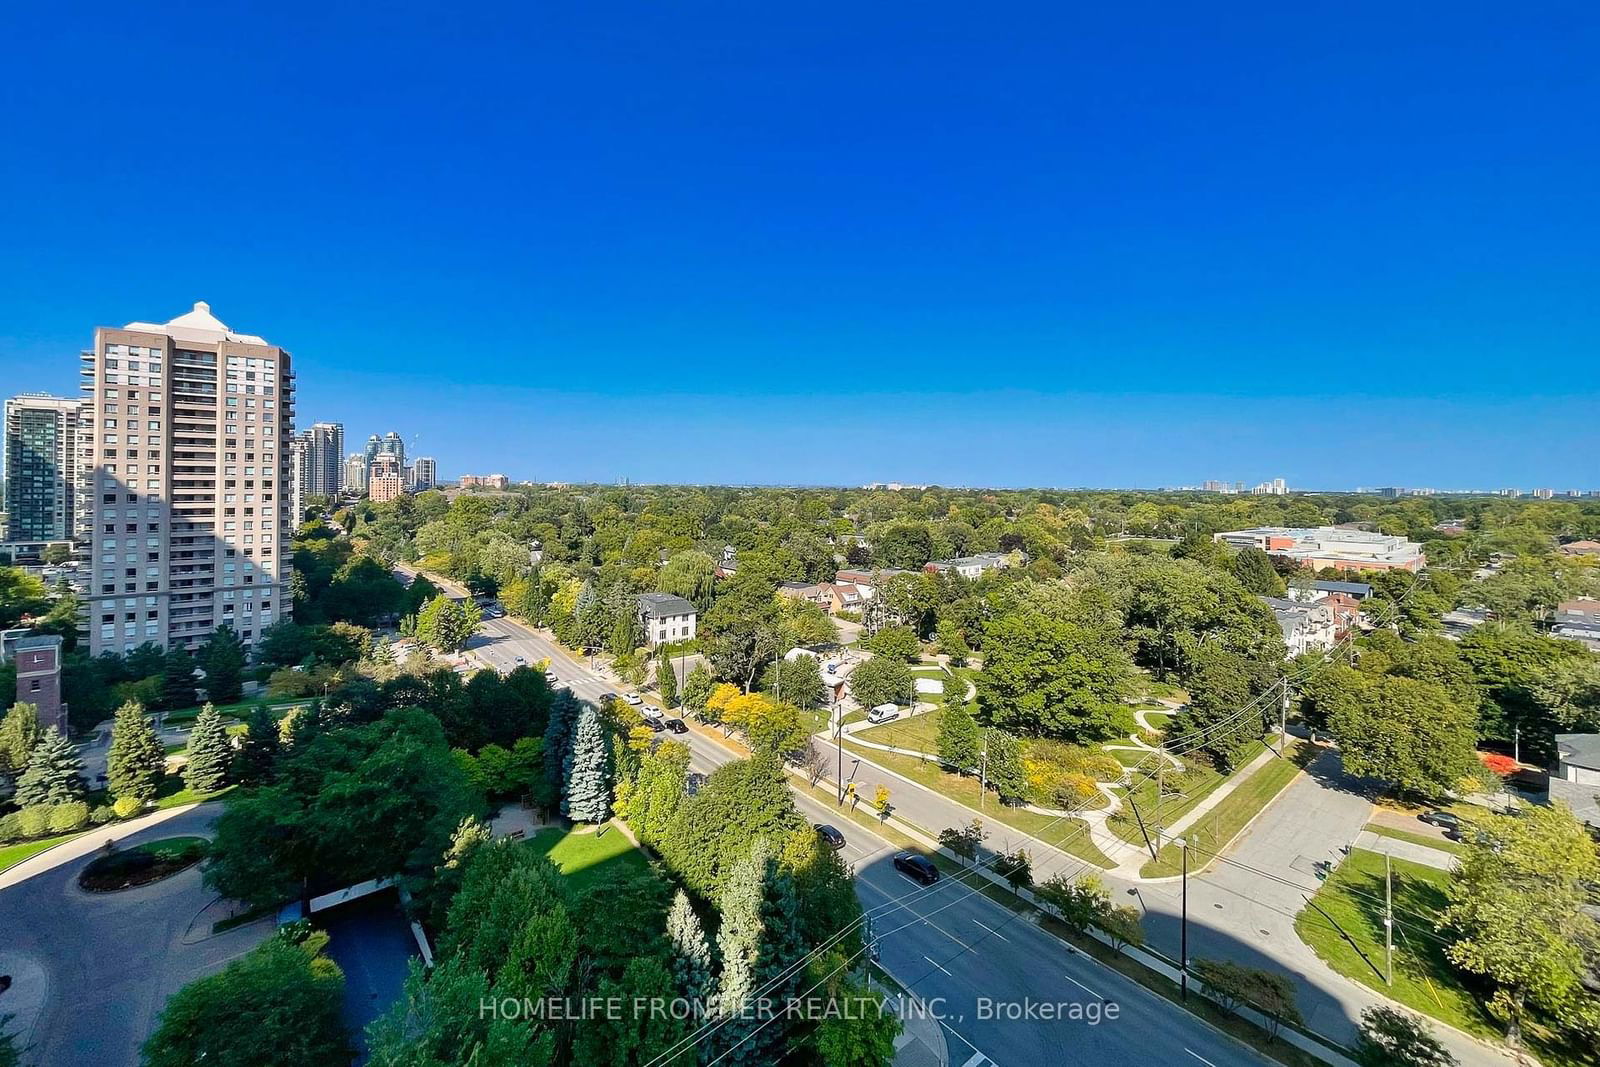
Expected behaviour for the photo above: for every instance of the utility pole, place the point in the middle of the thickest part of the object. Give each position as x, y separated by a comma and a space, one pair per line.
1161, 781
983, 770
1388, 922
1183, 949
838, 737
1516, 743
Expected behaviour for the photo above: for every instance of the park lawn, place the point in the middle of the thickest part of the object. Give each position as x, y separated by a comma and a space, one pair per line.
919, 733
1213, 831
1174, 805
1423, 978
584, 856
172, 793
167, 847
1454, 847
11, 855
1069, 835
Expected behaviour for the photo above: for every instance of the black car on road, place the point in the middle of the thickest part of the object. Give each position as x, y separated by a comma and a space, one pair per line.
830, 835
677, 726
917, 868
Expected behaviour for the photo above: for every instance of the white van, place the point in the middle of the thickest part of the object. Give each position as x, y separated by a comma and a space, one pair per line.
883, 713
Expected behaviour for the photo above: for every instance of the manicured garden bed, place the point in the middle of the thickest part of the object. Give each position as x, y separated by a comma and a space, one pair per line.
141, 865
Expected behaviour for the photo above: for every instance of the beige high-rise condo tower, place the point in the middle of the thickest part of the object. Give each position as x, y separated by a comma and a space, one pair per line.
189, 487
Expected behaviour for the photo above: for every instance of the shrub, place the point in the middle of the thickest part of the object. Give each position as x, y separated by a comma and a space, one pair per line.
1235, 985
64, 818
102, 815
127, 807
10, 827
1121, 924
34, 821
1080, 903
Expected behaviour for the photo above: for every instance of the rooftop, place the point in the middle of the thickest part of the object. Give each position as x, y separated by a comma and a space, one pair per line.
662, 605
197, 324
1579, 750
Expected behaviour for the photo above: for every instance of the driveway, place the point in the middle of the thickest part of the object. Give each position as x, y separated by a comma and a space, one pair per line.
108, 961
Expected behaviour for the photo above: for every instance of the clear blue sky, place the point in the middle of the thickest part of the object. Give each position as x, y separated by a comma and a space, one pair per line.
1001, 244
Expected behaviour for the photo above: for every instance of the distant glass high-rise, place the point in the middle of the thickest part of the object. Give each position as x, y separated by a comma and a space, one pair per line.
425, 473
326, 474
396, 447
41, 467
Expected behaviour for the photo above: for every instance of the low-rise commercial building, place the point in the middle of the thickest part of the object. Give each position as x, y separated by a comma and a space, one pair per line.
1324, 547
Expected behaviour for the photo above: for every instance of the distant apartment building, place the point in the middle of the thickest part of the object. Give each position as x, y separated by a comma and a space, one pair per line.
665, 618
484, 481
42, 475
385, 481
326, 458
299, 476
395, 446
355, 473
1323, 547
189, 487
1543, 494
1276, 487
424, 474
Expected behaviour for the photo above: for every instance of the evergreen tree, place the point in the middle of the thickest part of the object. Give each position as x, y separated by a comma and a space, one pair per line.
54, 774
758, 940
666, 682
223, 659
960, 739
209, 753
691, 954
302, 726
177, 679
587, 774
697, 687
558, 745
137, 760
739, 945
20, 733
258, 749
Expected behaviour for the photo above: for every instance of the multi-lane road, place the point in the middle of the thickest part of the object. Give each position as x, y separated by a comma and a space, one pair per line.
1001, 990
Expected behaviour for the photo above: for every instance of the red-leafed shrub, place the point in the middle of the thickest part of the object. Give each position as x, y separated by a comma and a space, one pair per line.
1497, 763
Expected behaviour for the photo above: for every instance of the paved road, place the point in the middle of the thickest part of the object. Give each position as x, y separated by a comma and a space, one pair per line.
111, 960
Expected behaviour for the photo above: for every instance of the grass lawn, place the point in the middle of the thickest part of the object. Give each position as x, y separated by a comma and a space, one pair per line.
919, 733
1213, 830
1174, 805
1453, 847
168, 847
172, 793
1066, 834
11, 855
238, 711
584, 856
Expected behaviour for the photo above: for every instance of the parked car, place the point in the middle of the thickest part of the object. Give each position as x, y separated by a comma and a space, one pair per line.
1442, 819
633, 698
883, 713
520, 661
917, 868
830, 835
677, 726
655, 724
606, 698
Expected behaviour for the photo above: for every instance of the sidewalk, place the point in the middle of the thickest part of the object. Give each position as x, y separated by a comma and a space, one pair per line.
1407, 850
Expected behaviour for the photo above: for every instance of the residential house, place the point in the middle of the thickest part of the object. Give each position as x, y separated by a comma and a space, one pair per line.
867, 582
846, 596
1305, 627
1320, 589
1576, 779
728, 565
1578, 620
665, 618
1581, 548
818, 593
1346, 613
970, 566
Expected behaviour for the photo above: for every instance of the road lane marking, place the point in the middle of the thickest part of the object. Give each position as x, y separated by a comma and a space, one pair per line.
974, 1059
1199, 1057
1081, 986
992, 930
936, 964
947, 933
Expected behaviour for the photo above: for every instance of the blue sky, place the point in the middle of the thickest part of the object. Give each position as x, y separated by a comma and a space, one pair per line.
1016, 244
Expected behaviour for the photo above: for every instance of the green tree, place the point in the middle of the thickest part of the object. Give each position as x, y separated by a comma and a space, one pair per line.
54, 774
283, 1000
1255, 572
697, 687
1229, 706
960, 737
177, 679
882, 680
448, 624
714, 829
588, 771
659, 789
862, 1033
1390, 1037
1407, 733
1003, 766
899, 642
137, 759
439, 1020
222, 658
20, 733
691, 954
258, 748
666, 683
558, 735
756, 941
210, 754
797, 681
1053, 677
1518, 915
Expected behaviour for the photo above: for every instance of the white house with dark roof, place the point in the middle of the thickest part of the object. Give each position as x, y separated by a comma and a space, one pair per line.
665, 618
